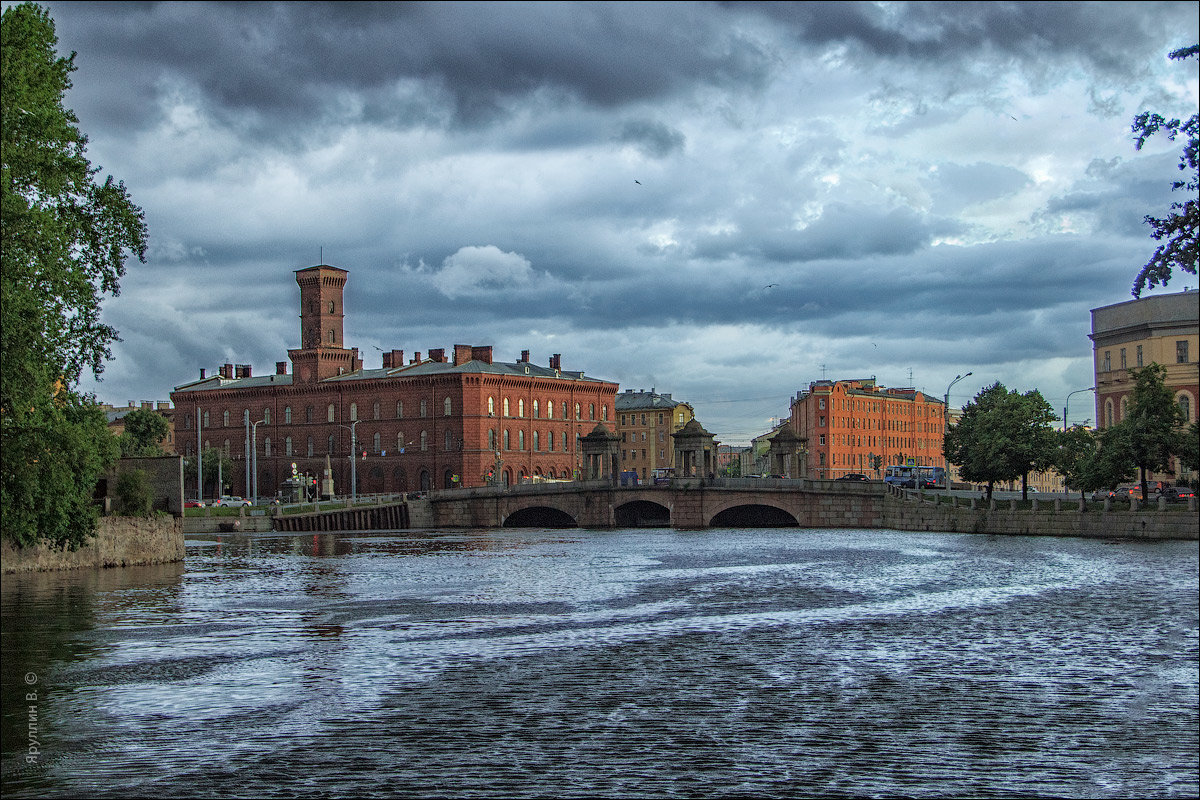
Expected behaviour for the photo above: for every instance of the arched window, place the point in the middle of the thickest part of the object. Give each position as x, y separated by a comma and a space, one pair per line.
520, 408
446, 407
592, 412
491, 439
506, 440
423, 412
332, 413
424, 440
577, 411
400, 442
330, 450
310, 447
353, 412
1108, 413
1185, 407
447, 442
536, 443
550, 441
287, 446
520, 440
225, 419
226, 448
332, 336
535, 410
491, 406
308, 413
375, 410
267, 446
399, 409
549, 409
604, 412
331, 307
506, 406
287, 415
564, 410
1124, 408
376, 443
266, 416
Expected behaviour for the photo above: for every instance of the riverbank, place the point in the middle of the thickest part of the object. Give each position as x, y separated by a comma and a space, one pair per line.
119, 542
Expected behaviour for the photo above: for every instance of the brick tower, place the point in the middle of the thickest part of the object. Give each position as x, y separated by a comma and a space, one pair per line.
321, 353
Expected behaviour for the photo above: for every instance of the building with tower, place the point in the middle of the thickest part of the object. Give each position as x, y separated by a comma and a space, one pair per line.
439, 421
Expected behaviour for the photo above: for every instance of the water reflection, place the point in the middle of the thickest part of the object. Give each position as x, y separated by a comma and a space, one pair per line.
580, 663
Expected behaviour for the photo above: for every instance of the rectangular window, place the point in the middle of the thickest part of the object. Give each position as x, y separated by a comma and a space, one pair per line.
1123, 364
1181, 352
822, 440
1107, 366
1139, 355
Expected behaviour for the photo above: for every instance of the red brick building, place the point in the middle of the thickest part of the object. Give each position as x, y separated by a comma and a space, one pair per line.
846, 422
440, 421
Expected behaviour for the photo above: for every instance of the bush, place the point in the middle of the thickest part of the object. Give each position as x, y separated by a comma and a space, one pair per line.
133, 493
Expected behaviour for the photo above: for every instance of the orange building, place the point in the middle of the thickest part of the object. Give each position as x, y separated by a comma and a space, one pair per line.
847, 422
435, 422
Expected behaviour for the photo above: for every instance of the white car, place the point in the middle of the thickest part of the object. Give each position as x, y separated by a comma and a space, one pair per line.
227, 501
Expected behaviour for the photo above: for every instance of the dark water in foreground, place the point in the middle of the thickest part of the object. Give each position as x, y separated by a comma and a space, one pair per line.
583, 663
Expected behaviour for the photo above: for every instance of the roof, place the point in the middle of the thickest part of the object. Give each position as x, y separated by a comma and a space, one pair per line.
629, 400
423, 369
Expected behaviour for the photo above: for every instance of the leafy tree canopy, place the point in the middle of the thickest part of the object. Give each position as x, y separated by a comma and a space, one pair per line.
144, 430
1179, 228
65, 238
1153, 425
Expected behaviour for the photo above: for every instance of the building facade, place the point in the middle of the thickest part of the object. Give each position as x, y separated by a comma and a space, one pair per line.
438, 421
116, 420
645, 422
847, 422
1162, 329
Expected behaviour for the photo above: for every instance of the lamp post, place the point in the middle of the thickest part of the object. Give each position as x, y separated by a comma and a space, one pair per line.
254, 457
353, 459
1067, 404
946, 422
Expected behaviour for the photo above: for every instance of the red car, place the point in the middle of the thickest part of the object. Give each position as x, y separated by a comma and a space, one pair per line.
1178, 494
194, 504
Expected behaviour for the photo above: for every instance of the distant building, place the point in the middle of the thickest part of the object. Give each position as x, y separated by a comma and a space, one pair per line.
847, 422
116, 419
1161, 328
442, 421
645, 422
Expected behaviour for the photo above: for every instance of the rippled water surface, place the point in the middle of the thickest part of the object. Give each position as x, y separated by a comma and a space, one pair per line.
582, 663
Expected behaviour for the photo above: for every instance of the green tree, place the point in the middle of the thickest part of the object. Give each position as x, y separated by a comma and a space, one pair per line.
1003, 435
1180, 227
218, 468
1089, 462
144, 430
1189, 453
1154, 423
133, 493
64, 238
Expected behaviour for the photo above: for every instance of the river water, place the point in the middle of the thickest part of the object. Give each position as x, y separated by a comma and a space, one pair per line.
574, 663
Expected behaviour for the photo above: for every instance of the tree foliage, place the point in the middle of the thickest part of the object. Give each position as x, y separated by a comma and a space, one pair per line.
1152, 428
144, 430
65, 239
1089, 461
133, 493
1003, 435
1179, 229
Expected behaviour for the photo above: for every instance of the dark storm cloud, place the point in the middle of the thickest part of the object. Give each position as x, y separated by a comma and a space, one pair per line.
654, 139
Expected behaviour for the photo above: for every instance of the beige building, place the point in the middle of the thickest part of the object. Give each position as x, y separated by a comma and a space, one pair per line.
1161, 328
116, 419
645, 422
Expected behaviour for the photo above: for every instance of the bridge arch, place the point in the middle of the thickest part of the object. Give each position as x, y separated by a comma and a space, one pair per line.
540, 517
753, 515
642, 514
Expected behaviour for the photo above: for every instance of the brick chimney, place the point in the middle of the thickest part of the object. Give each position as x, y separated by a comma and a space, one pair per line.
524, 356
281, 368
462, 353
416, 359
482, 353
556, 361
202, 373
226, 371
438, 354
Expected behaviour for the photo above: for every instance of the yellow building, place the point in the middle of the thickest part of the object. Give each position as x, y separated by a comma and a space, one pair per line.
1162, 329
645, 422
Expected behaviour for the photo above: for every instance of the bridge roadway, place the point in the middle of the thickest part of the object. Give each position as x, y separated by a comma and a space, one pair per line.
685, 503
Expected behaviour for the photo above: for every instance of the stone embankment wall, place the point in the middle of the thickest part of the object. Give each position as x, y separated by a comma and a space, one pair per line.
1065, 520
119, 542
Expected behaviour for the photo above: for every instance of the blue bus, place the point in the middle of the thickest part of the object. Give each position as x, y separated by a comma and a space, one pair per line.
907, 476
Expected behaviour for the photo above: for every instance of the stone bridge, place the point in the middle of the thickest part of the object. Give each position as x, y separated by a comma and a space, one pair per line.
685, 503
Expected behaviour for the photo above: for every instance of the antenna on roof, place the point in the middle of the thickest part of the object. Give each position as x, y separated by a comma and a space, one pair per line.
321, 257
910, 383
822, 372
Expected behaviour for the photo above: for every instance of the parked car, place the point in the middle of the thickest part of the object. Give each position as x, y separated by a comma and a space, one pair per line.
194, 504
1178, 494
228, 501
853, 476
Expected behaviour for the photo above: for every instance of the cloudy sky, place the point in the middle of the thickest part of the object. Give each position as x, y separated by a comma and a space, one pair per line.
721, 201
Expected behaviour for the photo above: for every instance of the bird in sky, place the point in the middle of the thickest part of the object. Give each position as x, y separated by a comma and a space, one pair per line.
770, 285
635, 180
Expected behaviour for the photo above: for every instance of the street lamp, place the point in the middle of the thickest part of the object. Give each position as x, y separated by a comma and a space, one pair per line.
1067, 404
946, 422
254, 457
353, 459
